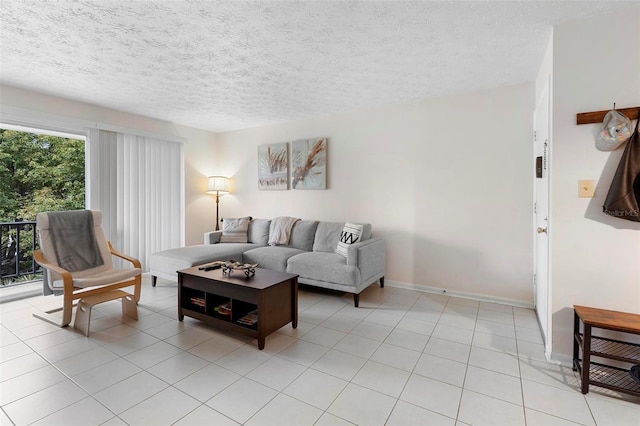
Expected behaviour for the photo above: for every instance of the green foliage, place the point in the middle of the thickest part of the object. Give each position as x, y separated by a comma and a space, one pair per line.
39, 173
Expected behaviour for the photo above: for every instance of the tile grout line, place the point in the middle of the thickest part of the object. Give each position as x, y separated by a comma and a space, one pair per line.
91, 395
414, 367
157, 310
466, 369
68, 378
524, 408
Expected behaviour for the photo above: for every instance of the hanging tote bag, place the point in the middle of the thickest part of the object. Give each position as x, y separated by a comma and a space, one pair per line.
623, 198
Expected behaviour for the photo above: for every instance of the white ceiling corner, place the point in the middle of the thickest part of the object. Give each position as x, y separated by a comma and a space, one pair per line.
226, 65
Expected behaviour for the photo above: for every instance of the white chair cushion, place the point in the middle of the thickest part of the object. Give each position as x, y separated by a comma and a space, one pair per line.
111, 276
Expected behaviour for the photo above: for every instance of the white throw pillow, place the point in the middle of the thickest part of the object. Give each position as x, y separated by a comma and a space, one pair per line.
235, 230
351, 234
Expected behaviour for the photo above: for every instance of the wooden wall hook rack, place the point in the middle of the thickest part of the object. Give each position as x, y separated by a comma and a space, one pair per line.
598, 116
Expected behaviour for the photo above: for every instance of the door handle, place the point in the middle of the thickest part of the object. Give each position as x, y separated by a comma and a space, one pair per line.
542, 230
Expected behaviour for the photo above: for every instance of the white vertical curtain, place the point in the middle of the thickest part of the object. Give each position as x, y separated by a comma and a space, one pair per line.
101, 171
138, 183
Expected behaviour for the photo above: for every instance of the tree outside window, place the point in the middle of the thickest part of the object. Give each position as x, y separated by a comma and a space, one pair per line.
37, 173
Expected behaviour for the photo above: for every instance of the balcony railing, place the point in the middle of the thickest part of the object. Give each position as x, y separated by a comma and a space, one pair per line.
18, 240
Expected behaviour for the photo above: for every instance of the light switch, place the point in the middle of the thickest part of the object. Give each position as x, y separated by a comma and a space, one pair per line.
586, 189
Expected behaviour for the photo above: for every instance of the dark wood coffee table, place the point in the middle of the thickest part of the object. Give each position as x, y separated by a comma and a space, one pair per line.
255, 306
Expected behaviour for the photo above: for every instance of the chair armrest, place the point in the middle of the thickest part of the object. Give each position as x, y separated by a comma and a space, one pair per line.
136, 263
67, 279
212, 237
368, 256
42, 261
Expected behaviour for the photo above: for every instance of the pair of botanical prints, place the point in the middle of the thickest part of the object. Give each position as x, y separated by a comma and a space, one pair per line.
308, 165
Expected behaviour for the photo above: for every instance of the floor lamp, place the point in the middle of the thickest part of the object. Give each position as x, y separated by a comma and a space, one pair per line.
218, 185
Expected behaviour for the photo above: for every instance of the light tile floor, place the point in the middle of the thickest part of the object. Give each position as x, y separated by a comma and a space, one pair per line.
403, 358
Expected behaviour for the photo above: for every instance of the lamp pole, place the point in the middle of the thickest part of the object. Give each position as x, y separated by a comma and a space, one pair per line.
217, 204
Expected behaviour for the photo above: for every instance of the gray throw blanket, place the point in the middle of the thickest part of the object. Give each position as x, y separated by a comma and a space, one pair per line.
74, 241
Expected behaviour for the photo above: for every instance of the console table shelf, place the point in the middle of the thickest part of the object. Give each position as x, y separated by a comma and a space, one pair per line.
614, 378
613, 349
601, 374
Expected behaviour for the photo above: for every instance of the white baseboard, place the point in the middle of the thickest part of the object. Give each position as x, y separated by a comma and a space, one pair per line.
462, 294
562, 359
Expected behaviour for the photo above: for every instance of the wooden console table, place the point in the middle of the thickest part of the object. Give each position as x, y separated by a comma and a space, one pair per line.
604, 374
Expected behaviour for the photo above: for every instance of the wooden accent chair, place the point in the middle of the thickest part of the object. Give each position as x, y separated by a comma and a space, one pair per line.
77, 258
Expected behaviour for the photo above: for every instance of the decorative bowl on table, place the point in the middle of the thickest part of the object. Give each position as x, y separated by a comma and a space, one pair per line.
248, 268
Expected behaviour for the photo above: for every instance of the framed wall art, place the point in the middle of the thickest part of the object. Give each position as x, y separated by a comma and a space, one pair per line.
273, 166
309, 164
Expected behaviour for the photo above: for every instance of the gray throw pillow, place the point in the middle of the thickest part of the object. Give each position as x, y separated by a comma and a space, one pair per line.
302, 234
259, 231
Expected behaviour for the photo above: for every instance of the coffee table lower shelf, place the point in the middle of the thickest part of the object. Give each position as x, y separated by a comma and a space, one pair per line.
223, 324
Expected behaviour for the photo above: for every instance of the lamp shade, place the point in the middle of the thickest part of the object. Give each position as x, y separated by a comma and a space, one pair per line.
218, 184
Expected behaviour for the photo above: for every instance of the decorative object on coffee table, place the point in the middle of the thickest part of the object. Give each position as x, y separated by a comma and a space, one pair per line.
309, 164
273, 166
218, 185
229, 267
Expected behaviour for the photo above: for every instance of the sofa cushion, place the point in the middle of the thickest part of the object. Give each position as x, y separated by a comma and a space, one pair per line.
351, 234
235, 230
271, 257
303, 234
328, 235
259, 231
327, 267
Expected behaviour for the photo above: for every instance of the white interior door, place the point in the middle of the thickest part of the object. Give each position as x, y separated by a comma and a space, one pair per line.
542, 131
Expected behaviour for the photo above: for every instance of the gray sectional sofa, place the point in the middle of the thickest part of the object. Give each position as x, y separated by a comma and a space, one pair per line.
310, 253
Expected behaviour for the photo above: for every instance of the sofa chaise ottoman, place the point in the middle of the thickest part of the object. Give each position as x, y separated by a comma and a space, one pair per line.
166, 263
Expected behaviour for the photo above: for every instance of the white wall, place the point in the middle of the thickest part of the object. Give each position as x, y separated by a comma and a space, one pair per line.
199, 151
595, 258
446, 182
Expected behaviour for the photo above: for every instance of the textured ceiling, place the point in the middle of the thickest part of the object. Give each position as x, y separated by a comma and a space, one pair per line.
225, 65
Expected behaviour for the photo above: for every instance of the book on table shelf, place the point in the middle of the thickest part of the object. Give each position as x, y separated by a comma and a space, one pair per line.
224, 309
198, 301
250, 319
